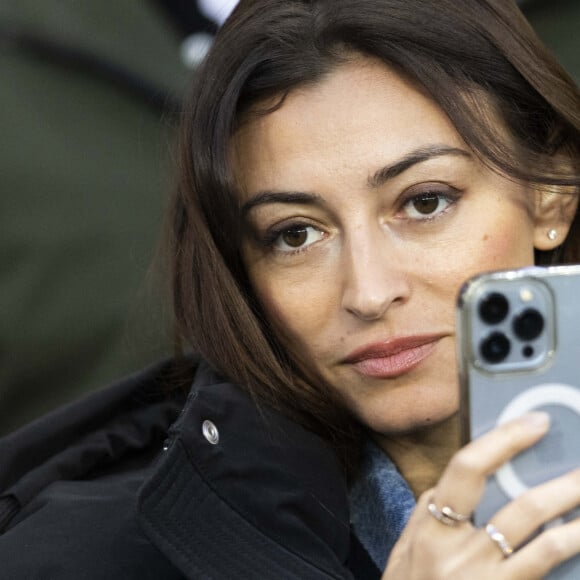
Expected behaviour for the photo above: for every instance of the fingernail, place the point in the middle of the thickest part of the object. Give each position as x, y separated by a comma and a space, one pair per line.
538, 420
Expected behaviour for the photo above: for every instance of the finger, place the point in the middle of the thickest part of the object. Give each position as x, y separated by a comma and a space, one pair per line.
545, 552
421, 514
461, 485
520, 518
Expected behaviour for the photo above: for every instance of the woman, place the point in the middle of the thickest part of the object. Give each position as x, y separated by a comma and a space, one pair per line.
345, 166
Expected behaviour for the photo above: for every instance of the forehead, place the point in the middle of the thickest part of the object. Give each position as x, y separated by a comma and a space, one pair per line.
363, 114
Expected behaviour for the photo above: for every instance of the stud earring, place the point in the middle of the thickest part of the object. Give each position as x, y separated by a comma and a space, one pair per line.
552, 235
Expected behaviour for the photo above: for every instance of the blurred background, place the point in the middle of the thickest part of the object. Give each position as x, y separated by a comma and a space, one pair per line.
89, 91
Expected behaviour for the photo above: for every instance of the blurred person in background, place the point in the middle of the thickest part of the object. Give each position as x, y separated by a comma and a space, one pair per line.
88, 98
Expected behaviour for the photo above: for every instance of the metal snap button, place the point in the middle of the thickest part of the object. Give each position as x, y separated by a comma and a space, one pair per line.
210, 432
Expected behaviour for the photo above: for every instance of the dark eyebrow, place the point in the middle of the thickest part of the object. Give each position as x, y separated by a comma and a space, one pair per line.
381, 176
417, 156
264, 197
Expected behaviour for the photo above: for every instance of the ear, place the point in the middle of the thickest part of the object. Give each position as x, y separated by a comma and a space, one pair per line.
553, 216
555, 208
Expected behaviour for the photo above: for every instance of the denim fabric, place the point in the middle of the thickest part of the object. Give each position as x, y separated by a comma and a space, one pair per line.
381, 503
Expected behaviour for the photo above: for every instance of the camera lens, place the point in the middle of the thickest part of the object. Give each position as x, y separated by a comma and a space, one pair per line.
493, 308
529, 324
528, 351
495, 347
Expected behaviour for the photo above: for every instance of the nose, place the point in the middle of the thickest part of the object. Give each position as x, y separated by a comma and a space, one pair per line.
375, 276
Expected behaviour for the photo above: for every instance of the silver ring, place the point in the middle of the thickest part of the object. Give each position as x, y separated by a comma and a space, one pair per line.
499, 539
446, 515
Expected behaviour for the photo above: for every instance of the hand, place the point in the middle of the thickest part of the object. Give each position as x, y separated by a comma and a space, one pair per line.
430, 550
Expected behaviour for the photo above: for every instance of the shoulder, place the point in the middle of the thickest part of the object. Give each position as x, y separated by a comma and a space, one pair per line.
243, 491
69, 482
228, 489
83, 529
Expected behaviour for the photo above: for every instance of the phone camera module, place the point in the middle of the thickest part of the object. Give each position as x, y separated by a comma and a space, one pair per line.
493, 308
528, 325
495, 348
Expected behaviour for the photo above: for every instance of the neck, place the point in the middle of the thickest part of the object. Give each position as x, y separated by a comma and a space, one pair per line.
422, 456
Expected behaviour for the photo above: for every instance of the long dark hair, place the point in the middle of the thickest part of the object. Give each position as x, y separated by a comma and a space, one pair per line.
482, 54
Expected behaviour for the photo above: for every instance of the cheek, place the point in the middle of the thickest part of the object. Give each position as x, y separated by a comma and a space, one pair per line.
506, 236
508, 247
504, 242
501, 247
297, 308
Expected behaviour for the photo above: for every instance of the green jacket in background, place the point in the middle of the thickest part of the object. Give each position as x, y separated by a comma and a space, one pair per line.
84, 172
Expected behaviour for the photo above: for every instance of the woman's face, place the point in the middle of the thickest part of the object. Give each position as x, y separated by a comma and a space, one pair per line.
365, 212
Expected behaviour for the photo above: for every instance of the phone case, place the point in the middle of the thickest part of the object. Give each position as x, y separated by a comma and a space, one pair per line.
519, 350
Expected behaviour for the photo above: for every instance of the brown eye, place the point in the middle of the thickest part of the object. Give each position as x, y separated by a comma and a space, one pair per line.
429, 204
426, 204
295, 238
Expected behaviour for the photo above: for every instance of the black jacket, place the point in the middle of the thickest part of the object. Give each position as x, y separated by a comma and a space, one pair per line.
133, 483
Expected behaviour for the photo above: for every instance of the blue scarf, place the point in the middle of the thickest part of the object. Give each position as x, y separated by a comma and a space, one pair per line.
381, 503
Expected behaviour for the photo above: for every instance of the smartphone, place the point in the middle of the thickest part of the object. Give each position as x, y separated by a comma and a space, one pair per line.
518, 350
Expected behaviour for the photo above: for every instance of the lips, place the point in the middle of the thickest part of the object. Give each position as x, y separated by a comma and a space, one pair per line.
394, 357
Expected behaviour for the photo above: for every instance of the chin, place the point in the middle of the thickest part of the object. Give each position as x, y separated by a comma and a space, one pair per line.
396, 417
411, 426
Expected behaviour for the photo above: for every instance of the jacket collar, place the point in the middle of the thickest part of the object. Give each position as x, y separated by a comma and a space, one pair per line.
267, 500
241, 491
